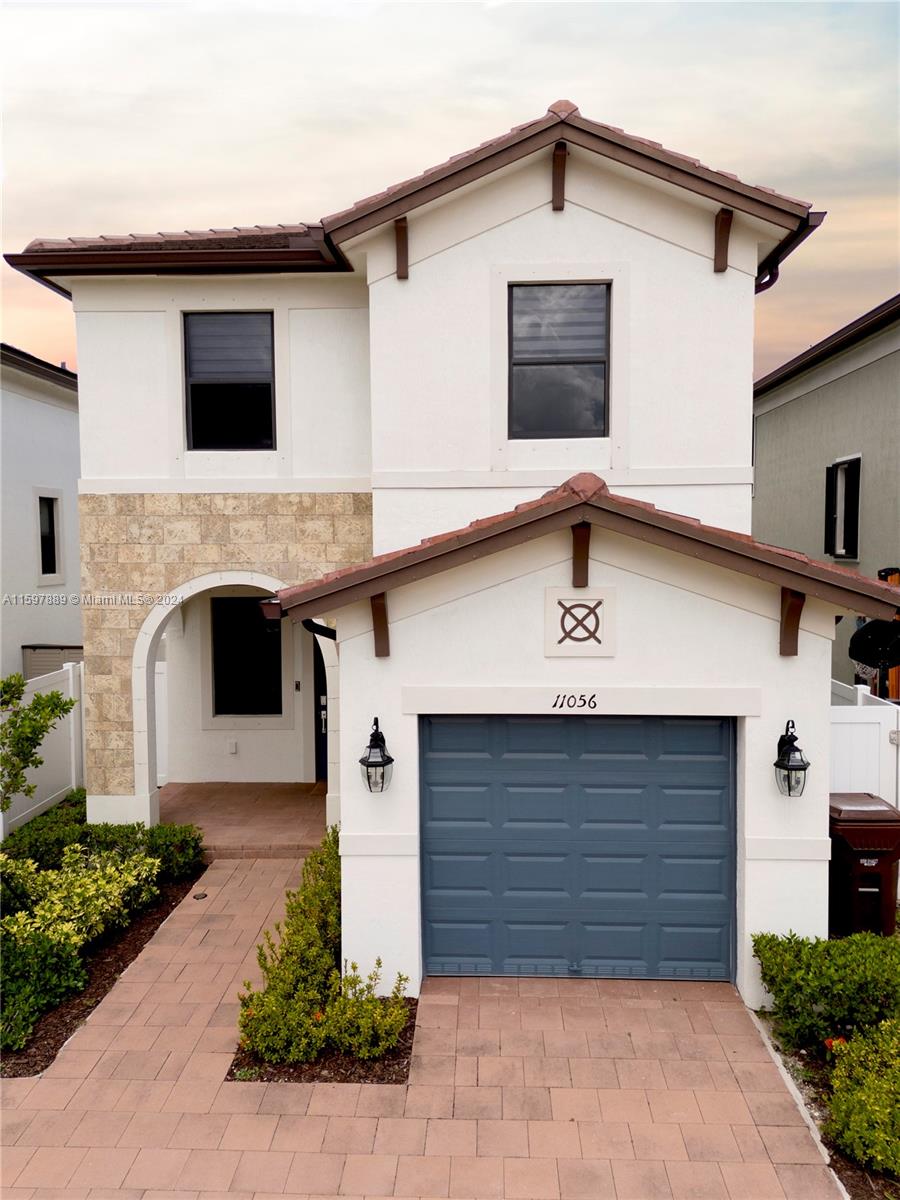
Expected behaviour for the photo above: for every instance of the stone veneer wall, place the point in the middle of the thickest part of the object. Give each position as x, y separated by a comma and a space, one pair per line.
146, 544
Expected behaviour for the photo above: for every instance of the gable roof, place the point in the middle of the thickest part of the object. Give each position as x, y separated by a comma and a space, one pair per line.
586, 498
12, 358
877, 319
315, 246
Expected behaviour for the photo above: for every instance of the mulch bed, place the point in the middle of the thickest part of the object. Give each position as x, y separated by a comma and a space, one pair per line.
105, 963
811, 1076
333, 1067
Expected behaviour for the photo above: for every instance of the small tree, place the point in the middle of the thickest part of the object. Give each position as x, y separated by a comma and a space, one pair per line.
23, 728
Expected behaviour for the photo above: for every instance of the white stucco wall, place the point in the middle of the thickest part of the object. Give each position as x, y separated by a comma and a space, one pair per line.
265, 749
131, 373
39, 448
691, 638
681, 337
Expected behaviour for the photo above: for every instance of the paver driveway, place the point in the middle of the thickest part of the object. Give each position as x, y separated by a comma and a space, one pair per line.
523, 1089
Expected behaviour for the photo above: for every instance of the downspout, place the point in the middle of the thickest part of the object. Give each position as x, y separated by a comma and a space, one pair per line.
767, 275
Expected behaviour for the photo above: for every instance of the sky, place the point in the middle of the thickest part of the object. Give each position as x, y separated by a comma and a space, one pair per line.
127, 117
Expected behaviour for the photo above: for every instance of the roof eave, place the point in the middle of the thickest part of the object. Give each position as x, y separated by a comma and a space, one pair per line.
47, 266
868, 597
875, 321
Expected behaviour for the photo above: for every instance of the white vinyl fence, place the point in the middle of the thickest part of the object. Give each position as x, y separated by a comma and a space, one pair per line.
62, 751
865, 743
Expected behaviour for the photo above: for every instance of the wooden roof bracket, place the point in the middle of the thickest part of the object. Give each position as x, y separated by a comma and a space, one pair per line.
791, 607
724, 218
380, 632
581, 553
401, 237
560, 154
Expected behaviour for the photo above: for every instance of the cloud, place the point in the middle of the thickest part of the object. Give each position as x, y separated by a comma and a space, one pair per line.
142, 117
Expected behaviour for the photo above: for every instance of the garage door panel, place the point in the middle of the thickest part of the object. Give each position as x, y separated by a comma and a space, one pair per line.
696, 809
694, 738
606, 877
460, 875
614, 808
457, 806
690, 878
535, 877
615, 862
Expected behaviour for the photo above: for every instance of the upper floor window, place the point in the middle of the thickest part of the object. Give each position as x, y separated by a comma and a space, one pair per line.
230, 381
842, 508
558, 360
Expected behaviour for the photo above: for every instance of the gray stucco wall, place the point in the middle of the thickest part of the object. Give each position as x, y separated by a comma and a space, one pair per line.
857, 413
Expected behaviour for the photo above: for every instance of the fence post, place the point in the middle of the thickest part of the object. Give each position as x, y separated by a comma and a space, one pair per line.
75, 673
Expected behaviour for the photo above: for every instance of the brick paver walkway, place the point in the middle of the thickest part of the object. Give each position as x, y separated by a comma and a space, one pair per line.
520, 1089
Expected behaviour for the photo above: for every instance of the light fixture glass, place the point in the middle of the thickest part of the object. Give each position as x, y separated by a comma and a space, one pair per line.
376, 765
790, 765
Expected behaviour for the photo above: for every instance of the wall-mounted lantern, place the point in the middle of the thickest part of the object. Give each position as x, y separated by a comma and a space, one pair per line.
376, 764
790, 765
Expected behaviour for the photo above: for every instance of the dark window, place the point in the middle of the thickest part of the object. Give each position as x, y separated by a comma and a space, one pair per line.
842, 508
47, 509
246, 658
230, 384
558, 360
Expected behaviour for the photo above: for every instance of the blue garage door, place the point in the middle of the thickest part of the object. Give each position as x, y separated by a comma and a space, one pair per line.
578, 846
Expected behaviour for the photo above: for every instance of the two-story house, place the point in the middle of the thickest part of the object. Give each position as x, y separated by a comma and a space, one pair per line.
827, 458
40, 616
537, 358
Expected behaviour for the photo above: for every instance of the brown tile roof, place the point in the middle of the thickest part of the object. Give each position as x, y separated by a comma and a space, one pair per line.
251, 237
315, 245
562, 118
13, 358
585, 497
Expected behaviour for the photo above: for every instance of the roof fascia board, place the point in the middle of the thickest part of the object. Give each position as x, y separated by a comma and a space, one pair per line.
702, 183
16, 360
42, 266
389, 207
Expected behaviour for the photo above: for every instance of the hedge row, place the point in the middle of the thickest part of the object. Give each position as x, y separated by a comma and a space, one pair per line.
306, 1005
64, 884
841, 1000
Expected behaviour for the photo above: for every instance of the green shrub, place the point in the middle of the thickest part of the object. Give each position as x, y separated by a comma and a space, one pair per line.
57, 914
304, 1005
865, 1102
44, 839
826, 989
39, 968
360, 1022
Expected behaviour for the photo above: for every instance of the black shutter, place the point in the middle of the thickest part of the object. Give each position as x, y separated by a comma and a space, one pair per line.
851, 507
830, 508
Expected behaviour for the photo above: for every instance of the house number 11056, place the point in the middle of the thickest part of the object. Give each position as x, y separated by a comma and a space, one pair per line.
575, 700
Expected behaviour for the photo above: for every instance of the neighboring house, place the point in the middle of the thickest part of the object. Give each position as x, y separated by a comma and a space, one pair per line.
39, 558
584, 693
827, 455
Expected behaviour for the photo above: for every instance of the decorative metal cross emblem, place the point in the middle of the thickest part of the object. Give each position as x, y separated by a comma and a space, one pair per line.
579, 621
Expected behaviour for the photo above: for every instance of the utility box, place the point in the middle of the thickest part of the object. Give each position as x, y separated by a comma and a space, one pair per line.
865, 849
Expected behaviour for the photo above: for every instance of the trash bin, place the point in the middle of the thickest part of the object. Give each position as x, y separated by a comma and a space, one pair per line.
865, 848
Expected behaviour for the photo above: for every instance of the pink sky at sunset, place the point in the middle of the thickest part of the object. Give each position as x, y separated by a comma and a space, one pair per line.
138, 117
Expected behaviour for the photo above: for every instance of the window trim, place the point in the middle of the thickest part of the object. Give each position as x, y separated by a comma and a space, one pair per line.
57, 577
605, 359
836, 495
189, 446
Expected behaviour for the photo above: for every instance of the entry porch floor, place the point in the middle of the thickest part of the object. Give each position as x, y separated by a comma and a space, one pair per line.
249, 820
